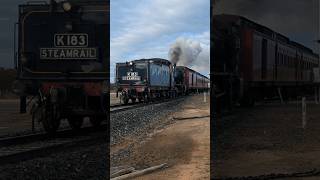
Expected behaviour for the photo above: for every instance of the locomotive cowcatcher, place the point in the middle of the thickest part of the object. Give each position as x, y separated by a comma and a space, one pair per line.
62, 59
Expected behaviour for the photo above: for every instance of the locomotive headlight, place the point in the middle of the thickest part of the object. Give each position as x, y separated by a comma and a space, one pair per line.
66, 6
69, 26
131, 63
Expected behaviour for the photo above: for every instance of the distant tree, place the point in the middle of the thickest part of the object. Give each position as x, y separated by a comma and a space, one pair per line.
7, 77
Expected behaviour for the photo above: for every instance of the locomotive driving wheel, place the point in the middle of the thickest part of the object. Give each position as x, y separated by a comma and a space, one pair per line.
96, 121
124, 99
146, 97
75, 122
51, 118
133, 100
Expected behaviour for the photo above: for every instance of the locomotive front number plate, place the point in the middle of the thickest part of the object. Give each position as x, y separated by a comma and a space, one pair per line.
131, 76
69, 46
73, 40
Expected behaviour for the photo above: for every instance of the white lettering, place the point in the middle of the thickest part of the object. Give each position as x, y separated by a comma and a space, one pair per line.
82, 40
44, 53
74, 53
74, 41
59, 41
79, 40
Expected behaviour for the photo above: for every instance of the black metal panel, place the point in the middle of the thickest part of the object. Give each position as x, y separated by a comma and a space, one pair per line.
142, 67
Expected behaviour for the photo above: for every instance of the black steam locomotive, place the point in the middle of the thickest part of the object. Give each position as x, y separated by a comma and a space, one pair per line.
148, 79
62, 59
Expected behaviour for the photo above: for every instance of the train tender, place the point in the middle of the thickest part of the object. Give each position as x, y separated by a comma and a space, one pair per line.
251, 61
148, 79
144, 79
62, 59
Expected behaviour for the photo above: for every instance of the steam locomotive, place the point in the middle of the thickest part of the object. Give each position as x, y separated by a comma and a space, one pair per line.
149, 79
62, 59
252, 62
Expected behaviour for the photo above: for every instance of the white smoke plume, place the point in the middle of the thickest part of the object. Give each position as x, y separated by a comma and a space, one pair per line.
184, 51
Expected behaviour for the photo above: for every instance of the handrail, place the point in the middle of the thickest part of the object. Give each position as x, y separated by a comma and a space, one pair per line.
15, 46
37, 3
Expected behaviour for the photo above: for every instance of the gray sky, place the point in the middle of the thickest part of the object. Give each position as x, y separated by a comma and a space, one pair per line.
297, 19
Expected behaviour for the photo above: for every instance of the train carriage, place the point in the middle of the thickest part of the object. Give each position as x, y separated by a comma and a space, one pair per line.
188, 80
254, 60
62, 58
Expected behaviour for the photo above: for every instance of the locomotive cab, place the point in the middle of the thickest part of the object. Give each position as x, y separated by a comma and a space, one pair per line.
180, 80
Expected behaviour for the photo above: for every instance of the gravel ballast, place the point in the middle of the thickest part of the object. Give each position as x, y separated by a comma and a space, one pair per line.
139, 120
84, 162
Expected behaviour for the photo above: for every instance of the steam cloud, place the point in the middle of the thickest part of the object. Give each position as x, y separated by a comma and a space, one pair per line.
184, 51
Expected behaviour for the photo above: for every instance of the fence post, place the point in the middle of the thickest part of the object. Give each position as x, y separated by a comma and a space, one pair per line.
304, 113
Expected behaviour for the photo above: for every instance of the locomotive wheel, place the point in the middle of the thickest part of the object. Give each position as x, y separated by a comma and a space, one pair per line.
145, 98
124, 99
96, 121
247, 102
133, 100
139, 99
75, 122
51, 119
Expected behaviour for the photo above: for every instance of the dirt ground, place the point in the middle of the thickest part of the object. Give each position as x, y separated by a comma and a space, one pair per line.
11, 121
184, 144
267, 139
113, 99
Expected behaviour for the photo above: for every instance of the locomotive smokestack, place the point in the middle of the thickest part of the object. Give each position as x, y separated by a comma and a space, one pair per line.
174, 66
53, 2
53, 5
175, 53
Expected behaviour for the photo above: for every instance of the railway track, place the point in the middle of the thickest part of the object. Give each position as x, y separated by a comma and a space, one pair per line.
19, 148
119, 107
